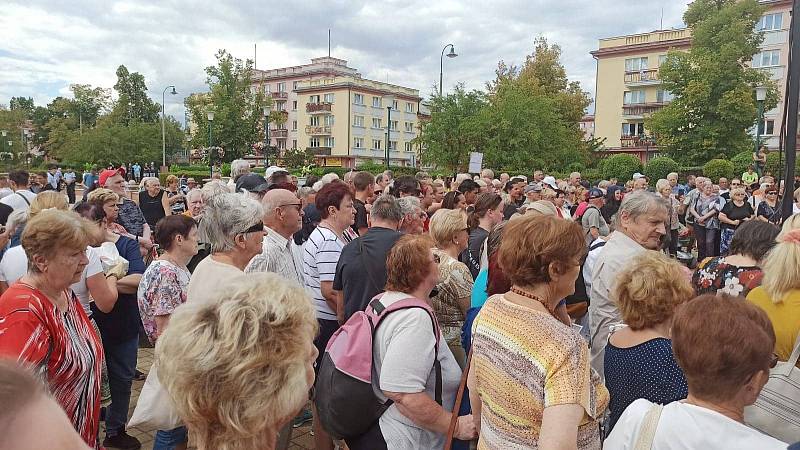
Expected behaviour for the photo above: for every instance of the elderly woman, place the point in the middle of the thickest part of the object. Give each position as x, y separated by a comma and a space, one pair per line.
176, 198
232, 225
43, 325
454, 200
111, 203
129, 214
449, 232
530, 382
414, 420
705, 209
557, 199
739, 272
647, 294
245, 396
163, 288
413, 221
769, 209
779, 293
735, 212
153, 201
724, 374
665, 190
239, 167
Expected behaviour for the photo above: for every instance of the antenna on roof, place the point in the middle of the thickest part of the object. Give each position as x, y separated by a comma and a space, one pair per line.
329, 42
255, 56
661, 27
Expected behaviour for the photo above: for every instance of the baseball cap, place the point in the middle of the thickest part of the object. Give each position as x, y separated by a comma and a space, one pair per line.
550, 181
272, 169
595, 193
108, 173
251, 182
533, 187
637, 175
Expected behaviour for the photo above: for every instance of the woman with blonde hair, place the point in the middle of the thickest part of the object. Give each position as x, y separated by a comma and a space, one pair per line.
647, 295
779, 293
448, 228
239, 367
175, 198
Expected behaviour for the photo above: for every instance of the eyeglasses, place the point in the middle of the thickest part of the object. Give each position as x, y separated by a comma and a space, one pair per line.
259, 227
299, 206
772, 193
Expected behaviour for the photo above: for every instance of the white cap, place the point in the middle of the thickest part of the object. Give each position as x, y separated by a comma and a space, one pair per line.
550, 181
272, 169
637, 175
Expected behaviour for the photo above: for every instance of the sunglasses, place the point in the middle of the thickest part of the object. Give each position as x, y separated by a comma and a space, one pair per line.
772, 193
259, 227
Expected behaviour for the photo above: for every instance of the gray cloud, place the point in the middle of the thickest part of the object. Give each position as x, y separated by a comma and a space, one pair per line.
49, 44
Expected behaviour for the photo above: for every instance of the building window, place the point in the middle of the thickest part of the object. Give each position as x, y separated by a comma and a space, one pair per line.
358, 121
633, 129
358, 99
329, 98
294, 143
314, 142
294, 125
409, 147
770, 22
395, 105
376, 144
767, 58
328, 121
266, 88
393, 125
313, 99
294, 105
393, 145
377, 102
358, 142
409, 127
635, 64
281, 87
314, 122
376, 123
766, 128
329, 142
633, 97
661, 59
664, 96
280, 106
409, 107
281, 144
294, 85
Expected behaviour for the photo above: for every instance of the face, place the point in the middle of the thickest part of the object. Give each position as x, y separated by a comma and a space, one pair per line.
771, 195
496, 215
736, 183
252, 243
639, 184
291, 214
461, 202
538, 176
708, 189
666, 192
673, 180
517, 190
470, 196
41, 180
346, 214
738, 197
533, 196
559, 200
414, 223
427, 196
65, 267
646, 229
196, 205
575, 179
153, 187
116, 184
618, 195
723, 183
111, 209
438, 194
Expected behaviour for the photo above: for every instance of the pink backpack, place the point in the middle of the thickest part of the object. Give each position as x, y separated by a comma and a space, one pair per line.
346, 402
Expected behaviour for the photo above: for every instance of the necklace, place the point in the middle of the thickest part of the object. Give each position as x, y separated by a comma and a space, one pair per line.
532, 296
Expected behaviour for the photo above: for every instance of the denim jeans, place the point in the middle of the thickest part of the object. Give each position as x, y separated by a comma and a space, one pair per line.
168, 439
121, 362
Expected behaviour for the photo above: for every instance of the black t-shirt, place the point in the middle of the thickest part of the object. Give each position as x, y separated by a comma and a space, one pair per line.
734, 212
359, 276
5, 211
472, 255
122, 322
361, 215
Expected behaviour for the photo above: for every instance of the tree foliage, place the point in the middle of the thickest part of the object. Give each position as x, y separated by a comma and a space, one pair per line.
660, 167
717, 168
714, 103
621, 167
237, 110
133, 104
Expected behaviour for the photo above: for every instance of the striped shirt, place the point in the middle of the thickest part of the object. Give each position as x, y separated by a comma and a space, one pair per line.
320, 254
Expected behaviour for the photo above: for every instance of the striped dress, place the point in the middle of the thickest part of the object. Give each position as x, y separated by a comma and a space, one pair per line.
62, 348
523, 362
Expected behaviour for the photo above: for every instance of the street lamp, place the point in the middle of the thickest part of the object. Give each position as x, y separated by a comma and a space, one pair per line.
452, 54
163, 132
4, 133
266, 135
210, 116
761, 95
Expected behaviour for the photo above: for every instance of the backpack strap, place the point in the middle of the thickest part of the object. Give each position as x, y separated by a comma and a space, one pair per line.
23, 197
379, 312
597, 245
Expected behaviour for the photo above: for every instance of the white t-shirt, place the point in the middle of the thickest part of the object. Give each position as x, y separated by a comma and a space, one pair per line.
16, 201
80, 288
403, 362
688, 427
207, 278
320, 254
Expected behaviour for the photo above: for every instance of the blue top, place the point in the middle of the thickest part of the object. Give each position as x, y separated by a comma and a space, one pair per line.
479, 295
123, 321
647, 370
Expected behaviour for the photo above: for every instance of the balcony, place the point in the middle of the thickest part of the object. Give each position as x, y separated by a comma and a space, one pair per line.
280, 95
639, 110
642, 77
318, 151
318, 108
280, 133
312, 130
636, 141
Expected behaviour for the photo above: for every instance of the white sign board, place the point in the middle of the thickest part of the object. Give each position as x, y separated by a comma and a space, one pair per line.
475, 162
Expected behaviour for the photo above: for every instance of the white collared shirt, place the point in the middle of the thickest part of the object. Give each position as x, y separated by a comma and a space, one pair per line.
278, 256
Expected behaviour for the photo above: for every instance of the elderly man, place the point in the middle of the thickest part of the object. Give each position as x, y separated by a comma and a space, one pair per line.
413, 221
672, 177
639, 227
361, 269
283, 216
592, 221
194, 200
575, 179
533, 192
130, 216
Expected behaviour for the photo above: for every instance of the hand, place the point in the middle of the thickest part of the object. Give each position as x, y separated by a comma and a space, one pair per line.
465, 428
118, 270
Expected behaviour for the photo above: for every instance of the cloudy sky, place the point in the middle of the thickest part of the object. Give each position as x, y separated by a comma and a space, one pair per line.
47, 45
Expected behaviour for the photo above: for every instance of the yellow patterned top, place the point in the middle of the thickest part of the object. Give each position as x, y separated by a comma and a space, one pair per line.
524, 361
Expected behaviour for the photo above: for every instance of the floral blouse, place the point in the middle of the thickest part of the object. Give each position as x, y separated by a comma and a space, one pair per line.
162, 289
715, 276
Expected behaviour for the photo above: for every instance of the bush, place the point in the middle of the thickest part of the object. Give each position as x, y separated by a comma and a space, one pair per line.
622, 167
776, 164
576, 167
741, 162
717, 168
591, 175
658, 168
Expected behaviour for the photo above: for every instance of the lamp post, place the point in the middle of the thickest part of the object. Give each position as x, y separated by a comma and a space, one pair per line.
452, 54
388, 132
210, 116
761, 95
266, 135
4, 133
163, 131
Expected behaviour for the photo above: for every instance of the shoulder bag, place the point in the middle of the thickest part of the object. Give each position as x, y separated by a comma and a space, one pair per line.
647, 432
448, 443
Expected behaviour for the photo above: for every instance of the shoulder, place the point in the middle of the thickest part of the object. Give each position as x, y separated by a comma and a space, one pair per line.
20, 297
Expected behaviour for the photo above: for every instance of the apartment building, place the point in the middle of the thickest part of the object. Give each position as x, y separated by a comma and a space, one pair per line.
628, 88
341, 118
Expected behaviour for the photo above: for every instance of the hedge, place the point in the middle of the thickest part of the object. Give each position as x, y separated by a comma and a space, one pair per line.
621, 167
717, 168
659, 168
741, 162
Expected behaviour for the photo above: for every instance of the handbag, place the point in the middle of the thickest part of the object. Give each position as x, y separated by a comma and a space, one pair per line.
647, 432
776, 412
154, 407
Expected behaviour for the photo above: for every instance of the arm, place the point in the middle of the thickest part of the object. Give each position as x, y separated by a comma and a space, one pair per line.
103, 290
332, 297
161, 323
166, 204
474, 399
560, 427
175, 198
426, 413
129, 284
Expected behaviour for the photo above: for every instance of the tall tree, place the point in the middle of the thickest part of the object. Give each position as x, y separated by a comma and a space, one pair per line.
237, 109
133, 103
23, 104
714, 103
88, 104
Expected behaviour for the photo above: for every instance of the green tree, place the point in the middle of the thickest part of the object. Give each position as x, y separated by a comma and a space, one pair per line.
88, 105
237, 111
621, 166
717, 168
133, 103
714, 102
135, 141
22, 103
660, 167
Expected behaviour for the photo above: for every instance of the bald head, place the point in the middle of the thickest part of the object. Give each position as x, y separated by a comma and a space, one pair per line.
275, 198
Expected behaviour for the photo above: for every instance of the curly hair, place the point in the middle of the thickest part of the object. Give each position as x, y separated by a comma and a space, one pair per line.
102, 196
238, 367
408, 263
648, 292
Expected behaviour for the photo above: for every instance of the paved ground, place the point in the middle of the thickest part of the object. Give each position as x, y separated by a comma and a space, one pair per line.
301, 437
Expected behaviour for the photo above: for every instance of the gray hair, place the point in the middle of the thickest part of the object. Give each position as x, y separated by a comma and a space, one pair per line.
17, 218
239, 167
387, 207
214, 188
192, 193
305, 191
408, 205
227, 216
639, 203
327, 178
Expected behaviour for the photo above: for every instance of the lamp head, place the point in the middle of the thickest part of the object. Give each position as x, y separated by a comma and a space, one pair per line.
266, 109
210, 116
452, 53
761, 93
174, 92
3, 132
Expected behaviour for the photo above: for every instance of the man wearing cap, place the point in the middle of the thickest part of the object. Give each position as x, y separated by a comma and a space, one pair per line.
550, 182
592, 221
252, 183
533, 192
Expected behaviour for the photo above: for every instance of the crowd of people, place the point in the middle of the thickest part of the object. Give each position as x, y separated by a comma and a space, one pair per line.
515, 311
